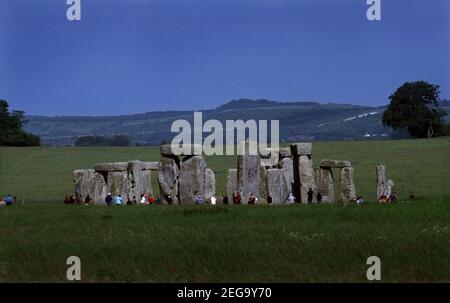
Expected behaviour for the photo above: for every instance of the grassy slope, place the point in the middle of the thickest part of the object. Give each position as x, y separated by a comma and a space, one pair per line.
262, 243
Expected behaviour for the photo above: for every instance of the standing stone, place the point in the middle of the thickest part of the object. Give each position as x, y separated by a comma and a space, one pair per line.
100, 189
119, 184
384, 186
307, 178
210, 184
84, 184
277, 185
231, 184
168, 173
381, 181
297, 150
263, 185
248, 174
192, 179
147, 186
346, 185
325, 184
389, 187
135, 175
288, 168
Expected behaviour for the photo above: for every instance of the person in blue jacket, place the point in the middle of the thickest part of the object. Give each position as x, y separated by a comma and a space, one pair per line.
9, 200
118, 200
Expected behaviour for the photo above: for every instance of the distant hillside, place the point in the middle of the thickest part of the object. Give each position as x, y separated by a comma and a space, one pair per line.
298, 121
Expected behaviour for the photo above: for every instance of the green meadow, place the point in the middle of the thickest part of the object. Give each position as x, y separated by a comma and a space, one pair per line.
320, 243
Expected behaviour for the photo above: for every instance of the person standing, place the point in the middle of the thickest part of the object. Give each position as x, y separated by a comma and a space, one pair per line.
109, 199
198, 199
9, 200
319, 198
360, 200
118, 200
251, 199
269, 198
237, 198
225, 200
291, 199
310, 194
213, 200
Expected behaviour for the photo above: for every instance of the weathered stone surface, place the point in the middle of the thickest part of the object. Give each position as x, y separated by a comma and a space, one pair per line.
210, 184
381, 181
301, 149
249, 175
231, 183
326, 163
135, 176
194, 149
267, 152
147, 187
325, 184
100, 189
277, 185
263, 186
192, 179
154, 165
390, 187
346, 185
119, 184
384, 186
111, 167
285, 153
307, 178
84, 184
288, 167
168, 173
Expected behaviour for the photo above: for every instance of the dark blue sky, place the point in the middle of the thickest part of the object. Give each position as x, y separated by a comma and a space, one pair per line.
133, 56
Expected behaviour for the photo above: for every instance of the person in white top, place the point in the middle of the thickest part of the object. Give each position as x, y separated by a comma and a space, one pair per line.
291, 199
213, 200
143, 199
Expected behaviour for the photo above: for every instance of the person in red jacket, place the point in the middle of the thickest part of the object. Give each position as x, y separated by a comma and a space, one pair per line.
150, 200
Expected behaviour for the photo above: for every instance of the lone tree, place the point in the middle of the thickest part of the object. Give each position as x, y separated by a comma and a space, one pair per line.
11, 133
415, 108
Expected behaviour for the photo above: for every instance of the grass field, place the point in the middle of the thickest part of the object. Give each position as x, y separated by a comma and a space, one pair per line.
228, 243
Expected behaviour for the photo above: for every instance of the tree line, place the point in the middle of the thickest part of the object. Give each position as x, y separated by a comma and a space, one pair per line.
117, 140
11, 123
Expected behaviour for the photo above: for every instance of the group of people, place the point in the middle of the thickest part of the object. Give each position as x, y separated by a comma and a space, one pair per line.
237, 199
118, 201
358, 200
384, 199
7, 201
292, 199
113, 200
199, 199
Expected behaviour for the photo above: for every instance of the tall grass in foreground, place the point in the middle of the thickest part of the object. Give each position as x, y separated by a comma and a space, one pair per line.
296, 243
